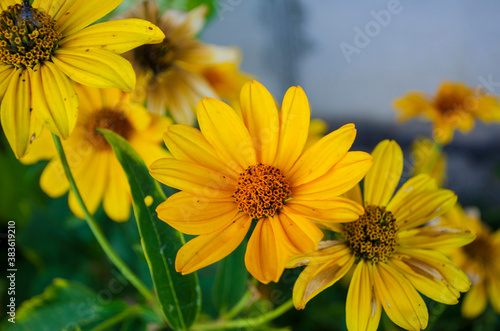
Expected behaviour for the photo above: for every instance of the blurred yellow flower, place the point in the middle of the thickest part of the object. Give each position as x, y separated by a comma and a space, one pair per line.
427, 158
455, 106
246, 167
45, 45
317, 129
480, 260
168, 74
391, 251
97, 173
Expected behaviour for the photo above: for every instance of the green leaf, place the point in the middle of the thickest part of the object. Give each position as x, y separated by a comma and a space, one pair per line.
179, 296
187, 5
65, 305
231, 280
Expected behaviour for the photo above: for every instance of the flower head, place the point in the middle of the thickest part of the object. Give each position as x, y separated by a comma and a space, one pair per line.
177, 73
455, 106
251, 169
390, 249
480, 260
97, 172
45, 45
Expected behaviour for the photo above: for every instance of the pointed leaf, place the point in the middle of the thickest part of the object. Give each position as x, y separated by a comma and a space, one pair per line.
179, 296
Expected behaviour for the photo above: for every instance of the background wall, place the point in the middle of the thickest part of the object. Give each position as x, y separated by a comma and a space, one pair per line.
354, 57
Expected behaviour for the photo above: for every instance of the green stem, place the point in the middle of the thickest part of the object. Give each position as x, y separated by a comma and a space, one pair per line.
238, 307
96, 230
131, 311
245, 322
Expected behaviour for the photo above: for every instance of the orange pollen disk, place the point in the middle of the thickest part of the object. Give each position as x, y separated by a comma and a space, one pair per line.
261, 191
114, 120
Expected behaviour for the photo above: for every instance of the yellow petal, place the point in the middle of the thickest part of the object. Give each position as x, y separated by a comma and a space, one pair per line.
187, 143
43, 148
18, 123
332, 210
197, 215
265, 257
91, 179
192, 178
400, 300
225, 131
117, 197
95, 67
318, 276
415, 185
80, 14
53, 180
6, 74
6, 3
261, 118
435, 237
432, 273
318, 159
475, 301
422, 207
322, 255
383, 177
116, 36
210, 248
341, 178
55, 99
301, 233
363, 309
204, 54
294, 125
354, 194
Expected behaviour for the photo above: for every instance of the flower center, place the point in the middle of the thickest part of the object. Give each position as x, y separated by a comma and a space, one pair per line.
110, 119
480, 250
261, 191
157, 57
27, 36
373, 236
452, 102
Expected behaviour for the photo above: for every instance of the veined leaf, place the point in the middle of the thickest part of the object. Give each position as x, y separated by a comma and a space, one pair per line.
179, 296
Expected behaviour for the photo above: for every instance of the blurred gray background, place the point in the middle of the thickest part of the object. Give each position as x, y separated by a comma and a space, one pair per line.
354, 58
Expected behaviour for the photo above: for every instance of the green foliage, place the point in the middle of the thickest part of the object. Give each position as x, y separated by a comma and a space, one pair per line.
179, 296
231, 280
65, 305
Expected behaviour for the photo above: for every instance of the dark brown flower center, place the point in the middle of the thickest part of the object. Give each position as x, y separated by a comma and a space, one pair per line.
157, 57
451, 102
110, 119
480, 250
27, 36
374, 236
261, 191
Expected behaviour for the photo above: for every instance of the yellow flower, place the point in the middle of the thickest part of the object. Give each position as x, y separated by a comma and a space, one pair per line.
427, 158
168, 76
391, 251
97, 172
45, 45
251, 167
480, 260
455, 106
225, 79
